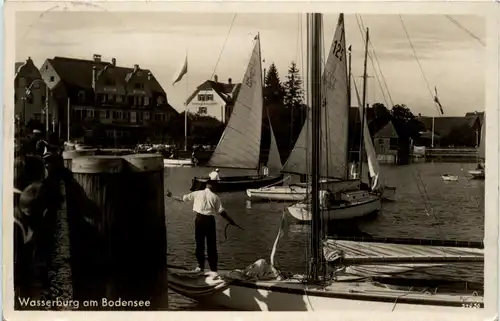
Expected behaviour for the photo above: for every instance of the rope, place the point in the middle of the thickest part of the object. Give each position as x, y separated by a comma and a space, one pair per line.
361, 26
467, 31
223, 45
418, 61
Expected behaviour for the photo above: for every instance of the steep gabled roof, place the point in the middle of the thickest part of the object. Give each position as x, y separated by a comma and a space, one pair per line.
443, 126
77, 73
228, 92
388, 131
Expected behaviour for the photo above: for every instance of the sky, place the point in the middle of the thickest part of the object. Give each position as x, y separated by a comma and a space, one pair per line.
221, 43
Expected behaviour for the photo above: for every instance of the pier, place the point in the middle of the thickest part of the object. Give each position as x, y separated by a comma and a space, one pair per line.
466, 154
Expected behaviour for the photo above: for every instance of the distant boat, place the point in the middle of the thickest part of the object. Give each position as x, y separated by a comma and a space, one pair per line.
479, 171
182, 162
447, 177
240, 144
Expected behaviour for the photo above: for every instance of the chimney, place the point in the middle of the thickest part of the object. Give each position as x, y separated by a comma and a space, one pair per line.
94, 76
230, 81
136, 67
113, 61
216, 78
97, 58
150, 75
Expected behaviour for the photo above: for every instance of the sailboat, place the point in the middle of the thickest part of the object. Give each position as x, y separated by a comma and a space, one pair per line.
239, 146
478, 172
327, 287
301, 191
351, 200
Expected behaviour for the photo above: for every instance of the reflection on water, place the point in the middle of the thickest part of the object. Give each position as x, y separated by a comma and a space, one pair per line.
425, 207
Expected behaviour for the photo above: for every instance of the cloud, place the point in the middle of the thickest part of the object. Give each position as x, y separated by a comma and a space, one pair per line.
158, 41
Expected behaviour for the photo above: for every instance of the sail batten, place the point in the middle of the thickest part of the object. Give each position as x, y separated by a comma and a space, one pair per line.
334, 113
239, 145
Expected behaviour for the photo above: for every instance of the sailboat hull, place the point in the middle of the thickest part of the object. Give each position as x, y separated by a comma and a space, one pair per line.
279, 193
349, 210
237, 183
293, 295
169, 162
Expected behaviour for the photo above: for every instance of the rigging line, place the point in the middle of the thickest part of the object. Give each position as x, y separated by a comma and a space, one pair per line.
224, 45
299, 32
361, 26
416, 58
467, 31
378, 64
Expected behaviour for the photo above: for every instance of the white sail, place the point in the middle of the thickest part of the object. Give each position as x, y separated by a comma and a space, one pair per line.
482, 142
371, 156
239, 146
273, 160
334, 115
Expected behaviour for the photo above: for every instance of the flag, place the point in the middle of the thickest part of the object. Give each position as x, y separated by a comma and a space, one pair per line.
436, 100
182, 71
349, 49
256, 37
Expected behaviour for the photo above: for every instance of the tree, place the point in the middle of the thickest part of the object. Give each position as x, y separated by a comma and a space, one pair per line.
273, 90
293, 101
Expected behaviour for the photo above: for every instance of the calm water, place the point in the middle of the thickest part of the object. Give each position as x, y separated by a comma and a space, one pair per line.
455, 212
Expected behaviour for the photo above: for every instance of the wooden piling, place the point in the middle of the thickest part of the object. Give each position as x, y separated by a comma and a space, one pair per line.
119, 233
68, 155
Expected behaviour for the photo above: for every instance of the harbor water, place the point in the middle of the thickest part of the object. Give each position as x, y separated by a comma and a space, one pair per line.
425, 207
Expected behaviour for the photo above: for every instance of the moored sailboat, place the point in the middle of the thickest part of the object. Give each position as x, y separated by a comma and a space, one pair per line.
344, 199
240, 144
260, 287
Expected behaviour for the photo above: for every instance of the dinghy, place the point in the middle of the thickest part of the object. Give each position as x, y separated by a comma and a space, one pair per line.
451, 178
182, 162
239, 146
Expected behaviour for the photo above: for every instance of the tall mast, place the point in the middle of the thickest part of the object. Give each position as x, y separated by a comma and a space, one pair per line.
349, 73
316, 101
361, 145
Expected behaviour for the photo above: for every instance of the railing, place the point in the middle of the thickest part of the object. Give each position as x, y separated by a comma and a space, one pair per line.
451, 152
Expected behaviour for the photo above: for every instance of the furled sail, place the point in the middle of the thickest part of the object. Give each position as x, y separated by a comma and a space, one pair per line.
334, 115
371, 156
239, 146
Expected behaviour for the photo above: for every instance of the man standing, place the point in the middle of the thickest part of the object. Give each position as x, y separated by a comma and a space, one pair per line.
206, 204
214, 176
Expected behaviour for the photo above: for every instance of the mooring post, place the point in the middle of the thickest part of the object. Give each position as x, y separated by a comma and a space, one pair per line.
119, 234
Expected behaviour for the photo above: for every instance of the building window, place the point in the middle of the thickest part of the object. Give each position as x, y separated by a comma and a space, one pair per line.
109, 82
52, 78
201, 97
36, 85
131, 101
37, 116
102, 98
209, 97
111, 98
146, 115
146, 101
107, 114
139, 86
42, 98
202, 110
119, 98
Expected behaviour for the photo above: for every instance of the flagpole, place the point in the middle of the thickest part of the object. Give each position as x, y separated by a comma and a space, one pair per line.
185, 108
432, 136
